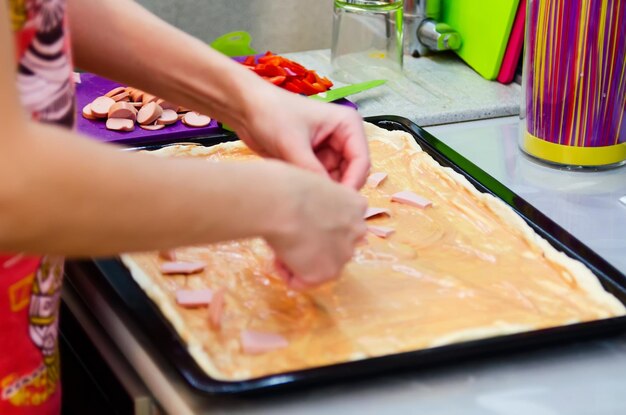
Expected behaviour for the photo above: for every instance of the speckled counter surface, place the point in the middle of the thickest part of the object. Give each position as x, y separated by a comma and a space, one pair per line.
434, 90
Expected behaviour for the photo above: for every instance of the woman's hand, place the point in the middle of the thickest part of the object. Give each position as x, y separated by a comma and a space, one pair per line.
315, 226
322, 221
327, 139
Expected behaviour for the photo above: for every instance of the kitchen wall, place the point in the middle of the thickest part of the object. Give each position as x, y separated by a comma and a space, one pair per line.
277, 25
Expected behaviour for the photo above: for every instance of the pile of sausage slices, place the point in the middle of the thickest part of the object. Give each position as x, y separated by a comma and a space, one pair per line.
123, 107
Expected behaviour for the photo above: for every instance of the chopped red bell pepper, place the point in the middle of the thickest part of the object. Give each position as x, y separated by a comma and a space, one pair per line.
289, 86
288, 74
268, 70
277, 80
312, 89
249, 61
310, 77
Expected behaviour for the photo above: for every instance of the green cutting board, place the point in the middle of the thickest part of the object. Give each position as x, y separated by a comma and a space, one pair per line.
485, 26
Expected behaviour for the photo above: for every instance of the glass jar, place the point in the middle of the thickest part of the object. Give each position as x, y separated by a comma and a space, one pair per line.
367, 40
574, 83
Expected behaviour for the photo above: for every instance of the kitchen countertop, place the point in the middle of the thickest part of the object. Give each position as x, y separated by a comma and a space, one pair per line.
437, 89
584, 377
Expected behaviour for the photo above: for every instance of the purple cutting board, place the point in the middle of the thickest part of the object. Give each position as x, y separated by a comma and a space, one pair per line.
92, 86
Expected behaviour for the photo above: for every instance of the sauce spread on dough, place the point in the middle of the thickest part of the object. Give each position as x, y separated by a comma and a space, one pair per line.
451, 272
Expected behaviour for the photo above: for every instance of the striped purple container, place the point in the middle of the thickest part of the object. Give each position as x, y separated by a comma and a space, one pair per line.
575, 82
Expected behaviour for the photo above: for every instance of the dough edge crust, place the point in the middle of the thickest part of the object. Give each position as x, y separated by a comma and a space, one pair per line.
398, 139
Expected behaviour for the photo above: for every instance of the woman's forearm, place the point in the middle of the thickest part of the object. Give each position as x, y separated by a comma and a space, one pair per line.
138, 49
64, 194
104, 201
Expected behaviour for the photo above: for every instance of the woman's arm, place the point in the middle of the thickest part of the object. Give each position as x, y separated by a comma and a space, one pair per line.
63, 194
123, 41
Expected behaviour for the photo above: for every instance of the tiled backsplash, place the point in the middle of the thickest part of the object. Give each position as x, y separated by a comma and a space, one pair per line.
277, 25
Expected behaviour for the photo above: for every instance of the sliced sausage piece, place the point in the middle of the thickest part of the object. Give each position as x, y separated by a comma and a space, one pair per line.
194, 298
257, 342
100, 106
168, 255
168, 117
120, 124
381, 231
181, 267
122, 96
152, 127
216, 309
115, 91
375, 211
149, 113
167, 105
87, 112
409, 198
137, 95
183, 109
148, 98
76, 77
375, 179
123, 110
193, 119
136, 104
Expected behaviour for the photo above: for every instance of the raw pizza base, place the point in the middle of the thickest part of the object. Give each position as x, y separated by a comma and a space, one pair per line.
394, 296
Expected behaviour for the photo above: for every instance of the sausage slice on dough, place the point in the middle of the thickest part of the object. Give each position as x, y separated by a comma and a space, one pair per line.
194, 298
375, 179
257, 342
182, 267
375, 211
409, 198
381, 231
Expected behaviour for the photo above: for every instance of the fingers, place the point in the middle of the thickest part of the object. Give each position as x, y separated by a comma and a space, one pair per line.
329, 158
355, 154
323, 267
291, 280
294, 283
298, 284
283, 272
306, 159
344, 149
313, 280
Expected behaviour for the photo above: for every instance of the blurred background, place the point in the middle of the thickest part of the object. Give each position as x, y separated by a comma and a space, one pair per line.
279, 26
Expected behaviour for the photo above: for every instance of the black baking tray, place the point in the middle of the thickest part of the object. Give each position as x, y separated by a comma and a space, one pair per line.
116, 283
